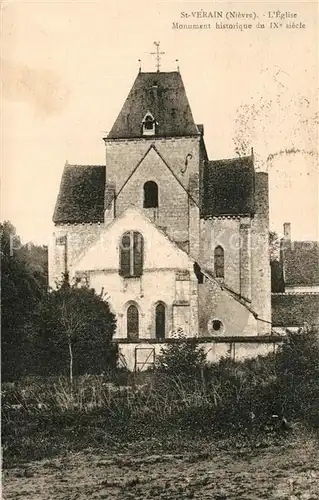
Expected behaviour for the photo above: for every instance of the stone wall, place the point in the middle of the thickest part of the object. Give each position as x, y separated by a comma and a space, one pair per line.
77, 238
172, 214
158, 285
123, 155
140, 356
260, 264
220, 305
223, 231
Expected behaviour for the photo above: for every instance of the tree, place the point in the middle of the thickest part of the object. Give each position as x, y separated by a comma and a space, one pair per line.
21, 290
297, 366
277, 279
74, 327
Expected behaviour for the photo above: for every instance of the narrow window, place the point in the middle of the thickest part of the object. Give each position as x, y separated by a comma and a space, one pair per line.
132, 322
160, 321
219, 264
148, 124
150, 195
131, 254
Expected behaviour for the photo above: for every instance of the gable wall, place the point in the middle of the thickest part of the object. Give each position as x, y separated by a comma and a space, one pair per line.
172, 213
122, 156
156, 285
164, 264
159, 252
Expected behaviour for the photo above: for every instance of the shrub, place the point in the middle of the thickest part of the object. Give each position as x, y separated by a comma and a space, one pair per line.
184, 359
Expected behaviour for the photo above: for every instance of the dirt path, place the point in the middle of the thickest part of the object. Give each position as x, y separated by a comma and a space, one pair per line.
286, 473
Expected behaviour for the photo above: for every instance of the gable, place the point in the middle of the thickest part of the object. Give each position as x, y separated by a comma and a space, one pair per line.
159, 251
151, 167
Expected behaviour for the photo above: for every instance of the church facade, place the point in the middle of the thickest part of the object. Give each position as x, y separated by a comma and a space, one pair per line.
175, 241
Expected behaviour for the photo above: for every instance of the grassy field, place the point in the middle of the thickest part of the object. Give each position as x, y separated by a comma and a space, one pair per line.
225, 431
145, 470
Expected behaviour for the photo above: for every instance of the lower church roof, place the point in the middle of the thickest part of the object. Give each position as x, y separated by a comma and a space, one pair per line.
229, 187
81, 195
294, 309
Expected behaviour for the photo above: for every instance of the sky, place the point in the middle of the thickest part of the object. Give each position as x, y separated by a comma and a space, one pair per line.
67, 68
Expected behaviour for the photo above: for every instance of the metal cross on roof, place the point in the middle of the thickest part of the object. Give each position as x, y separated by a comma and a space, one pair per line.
158, 55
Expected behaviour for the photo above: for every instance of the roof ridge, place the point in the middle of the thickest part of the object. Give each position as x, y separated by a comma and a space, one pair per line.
301, 241
287, 294
234, 158
83, 165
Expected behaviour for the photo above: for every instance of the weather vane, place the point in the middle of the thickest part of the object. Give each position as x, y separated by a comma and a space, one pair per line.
158, 55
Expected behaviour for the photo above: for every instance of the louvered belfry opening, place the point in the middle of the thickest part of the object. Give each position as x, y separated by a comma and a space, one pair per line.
131, 255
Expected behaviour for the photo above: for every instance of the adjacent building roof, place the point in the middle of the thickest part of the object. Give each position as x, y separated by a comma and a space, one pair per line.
294, 309
81, 195
300, 262
229, 187
164, 96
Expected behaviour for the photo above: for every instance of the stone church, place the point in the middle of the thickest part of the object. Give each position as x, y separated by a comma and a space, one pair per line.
173, 239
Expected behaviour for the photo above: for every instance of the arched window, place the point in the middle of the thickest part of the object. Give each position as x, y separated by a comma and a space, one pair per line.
132, 322
150, 195
160, 321
219, 264
148, 124
131, 254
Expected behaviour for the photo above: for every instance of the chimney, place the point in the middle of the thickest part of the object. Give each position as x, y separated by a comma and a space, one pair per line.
287, 231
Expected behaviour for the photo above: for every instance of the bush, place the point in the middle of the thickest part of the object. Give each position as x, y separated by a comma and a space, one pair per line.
297, 371
184, 359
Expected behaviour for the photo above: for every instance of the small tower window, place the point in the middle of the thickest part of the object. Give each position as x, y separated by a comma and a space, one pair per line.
131, 255
150, 195
219, 262
148, 124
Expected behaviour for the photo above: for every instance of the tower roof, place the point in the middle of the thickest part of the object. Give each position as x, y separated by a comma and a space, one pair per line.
164, 96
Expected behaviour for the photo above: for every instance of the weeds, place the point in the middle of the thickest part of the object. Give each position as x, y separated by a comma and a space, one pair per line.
225, 399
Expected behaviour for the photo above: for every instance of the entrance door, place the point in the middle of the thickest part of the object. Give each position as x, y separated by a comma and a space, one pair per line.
160, 321
132, 322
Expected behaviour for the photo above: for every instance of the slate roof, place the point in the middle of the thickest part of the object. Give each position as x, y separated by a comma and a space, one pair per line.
300, 262
294, 309
229, 187
81, 195
164, 96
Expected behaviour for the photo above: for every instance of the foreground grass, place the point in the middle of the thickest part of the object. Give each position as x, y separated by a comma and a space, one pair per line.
178, 469
44, 418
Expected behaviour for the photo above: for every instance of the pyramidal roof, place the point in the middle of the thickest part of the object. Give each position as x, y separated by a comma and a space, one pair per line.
164, 96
